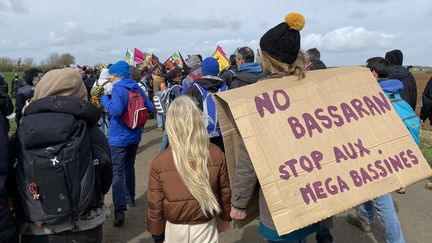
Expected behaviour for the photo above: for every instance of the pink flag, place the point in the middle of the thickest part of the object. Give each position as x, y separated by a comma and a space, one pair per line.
139, 56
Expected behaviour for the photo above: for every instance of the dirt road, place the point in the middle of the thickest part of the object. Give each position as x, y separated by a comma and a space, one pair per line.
415, 210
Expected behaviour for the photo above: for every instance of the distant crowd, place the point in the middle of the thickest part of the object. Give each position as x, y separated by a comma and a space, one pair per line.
79, 129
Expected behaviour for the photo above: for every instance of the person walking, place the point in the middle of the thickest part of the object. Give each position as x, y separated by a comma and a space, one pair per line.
280, 56
188, 190
123, 140
365, 213
63, 167
397, 71
202, 91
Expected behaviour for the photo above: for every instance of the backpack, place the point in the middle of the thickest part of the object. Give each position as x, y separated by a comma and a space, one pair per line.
209, 109
162, 100
407, 114
136, 115
56, 180
96, 93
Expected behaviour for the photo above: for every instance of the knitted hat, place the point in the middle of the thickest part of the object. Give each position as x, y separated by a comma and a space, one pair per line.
282, 42
61, 82
193, 62
120, 69
210, 66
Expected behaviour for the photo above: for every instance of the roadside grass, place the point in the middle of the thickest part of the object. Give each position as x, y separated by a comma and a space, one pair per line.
426, 146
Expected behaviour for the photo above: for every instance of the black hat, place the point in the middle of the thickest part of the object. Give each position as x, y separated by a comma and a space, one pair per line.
282, 42
30, 74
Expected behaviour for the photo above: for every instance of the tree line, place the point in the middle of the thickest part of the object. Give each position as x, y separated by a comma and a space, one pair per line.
54, 60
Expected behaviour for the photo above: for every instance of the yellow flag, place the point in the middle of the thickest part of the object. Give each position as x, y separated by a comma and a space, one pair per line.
220, 56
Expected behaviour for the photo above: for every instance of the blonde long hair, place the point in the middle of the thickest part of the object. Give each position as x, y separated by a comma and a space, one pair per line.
190, 149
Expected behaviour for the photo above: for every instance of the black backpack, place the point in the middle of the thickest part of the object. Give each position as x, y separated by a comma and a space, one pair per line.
56, 177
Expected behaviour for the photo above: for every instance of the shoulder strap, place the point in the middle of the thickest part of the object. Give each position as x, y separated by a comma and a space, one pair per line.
393, 97
201, 89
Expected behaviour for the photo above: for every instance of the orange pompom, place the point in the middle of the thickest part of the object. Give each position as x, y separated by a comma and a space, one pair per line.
295, 21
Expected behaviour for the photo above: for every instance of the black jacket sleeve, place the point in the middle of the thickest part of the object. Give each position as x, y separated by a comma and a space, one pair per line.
101, 153
194, 93
6, 105
412, 92
19, 105
425, 112
7, 228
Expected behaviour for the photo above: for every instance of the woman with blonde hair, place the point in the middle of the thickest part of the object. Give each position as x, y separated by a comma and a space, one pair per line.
188, 191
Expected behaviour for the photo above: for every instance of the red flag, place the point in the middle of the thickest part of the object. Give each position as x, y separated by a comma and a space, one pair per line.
139, 56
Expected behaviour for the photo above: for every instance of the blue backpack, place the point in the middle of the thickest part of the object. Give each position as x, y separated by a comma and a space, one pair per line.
407, 114
209, 109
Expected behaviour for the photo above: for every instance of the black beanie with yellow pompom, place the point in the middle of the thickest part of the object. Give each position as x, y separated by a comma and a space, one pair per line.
282, 42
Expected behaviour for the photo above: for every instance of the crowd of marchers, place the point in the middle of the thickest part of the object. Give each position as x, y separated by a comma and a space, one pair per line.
78, 131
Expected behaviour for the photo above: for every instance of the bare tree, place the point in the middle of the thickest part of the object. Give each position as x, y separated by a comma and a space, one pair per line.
53, 60
28, 62
6, 64
67, 59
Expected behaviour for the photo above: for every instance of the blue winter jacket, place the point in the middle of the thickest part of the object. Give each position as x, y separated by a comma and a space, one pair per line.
119, 134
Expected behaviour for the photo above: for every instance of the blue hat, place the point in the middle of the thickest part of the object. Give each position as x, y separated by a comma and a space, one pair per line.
121, 69
210, 66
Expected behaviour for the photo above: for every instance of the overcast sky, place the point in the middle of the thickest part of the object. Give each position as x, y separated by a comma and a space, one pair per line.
346, 32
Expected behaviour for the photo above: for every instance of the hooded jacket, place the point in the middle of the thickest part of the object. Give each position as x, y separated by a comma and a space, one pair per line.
210, 83
7, 227
397, 71
116, 106
426, 110
62, 106
409, 93
249, 73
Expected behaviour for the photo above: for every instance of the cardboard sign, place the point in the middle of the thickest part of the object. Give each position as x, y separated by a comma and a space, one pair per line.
320, 145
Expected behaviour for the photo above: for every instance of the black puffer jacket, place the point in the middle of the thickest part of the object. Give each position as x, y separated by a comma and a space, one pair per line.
55, 133
246, 78
7, 227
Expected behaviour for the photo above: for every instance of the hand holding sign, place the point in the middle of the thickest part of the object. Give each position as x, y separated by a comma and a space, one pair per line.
320, 145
